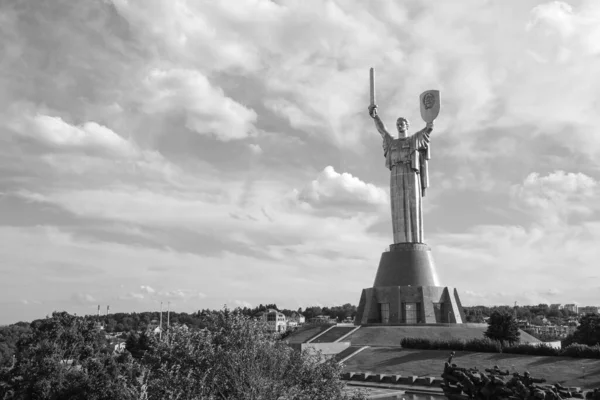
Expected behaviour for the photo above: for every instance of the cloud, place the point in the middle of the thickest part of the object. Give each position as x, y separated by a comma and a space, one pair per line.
255, 148
556, 196
204, 107
132, 296
342, 191
552, 292
242, 303
90, 136
83, 298
147, 289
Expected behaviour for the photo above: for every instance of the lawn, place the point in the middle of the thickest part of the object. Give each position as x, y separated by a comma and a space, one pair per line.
567, 371
389, 336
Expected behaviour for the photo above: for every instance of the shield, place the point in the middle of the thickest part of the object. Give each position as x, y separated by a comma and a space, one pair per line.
430, 105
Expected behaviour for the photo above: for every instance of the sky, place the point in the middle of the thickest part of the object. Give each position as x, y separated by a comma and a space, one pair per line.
206, 153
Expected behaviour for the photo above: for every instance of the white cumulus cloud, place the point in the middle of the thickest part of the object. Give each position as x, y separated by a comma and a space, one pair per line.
334, 189
205, 107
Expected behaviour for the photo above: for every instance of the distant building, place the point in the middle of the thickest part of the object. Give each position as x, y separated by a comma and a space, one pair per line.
588, 310
276, 321
119, 347
571, 308
298, 318
560, 331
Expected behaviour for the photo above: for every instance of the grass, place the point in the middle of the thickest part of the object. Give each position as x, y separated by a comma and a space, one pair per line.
392, 335
306, 332
333, 334
392, 360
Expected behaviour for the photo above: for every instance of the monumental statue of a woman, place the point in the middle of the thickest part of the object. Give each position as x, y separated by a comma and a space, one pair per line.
406, 157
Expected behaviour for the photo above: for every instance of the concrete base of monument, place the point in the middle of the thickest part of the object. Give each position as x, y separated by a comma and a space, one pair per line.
407, 291
394, 305
406, 264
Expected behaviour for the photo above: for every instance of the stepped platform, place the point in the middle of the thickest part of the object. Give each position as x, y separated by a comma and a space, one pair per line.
389, 336
305, 333
345, 353
334, 334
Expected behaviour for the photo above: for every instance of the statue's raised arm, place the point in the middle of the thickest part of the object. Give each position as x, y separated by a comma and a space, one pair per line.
378, 122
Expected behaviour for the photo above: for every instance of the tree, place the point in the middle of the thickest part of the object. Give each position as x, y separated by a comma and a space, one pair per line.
503, 327
588, 331
236, 358
9, 336
66, 357
138, 344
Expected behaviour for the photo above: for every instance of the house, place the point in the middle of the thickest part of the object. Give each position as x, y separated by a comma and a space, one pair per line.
276, 321
571, 308
588, 310
119, 347
296, 318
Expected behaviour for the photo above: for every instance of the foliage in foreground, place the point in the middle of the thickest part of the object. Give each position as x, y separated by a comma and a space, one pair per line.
67, 357
234, 358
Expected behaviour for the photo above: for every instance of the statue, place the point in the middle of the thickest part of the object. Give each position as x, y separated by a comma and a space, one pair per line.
407, 157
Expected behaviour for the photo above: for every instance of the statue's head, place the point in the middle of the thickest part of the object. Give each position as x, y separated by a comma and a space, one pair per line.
402, 124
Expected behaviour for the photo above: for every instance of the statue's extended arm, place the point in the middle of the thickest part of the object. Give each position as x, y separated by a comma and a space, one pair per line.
378, 122
422, 137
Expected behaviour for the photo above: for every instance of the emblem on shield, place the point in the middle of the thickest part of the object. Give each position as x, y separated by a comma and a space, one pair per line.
430, 105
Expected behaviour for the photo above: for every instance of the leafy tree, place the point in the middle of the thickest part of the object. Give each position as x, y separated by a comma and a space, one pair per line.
9, 336
588, 331
66, 357
236, 358
503, 327
138, 344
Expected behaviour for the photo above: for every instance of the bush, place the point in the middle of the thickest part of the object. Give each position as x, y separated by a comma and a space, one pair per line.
416, 343
484, 345
539, 350
478, 345
581, 351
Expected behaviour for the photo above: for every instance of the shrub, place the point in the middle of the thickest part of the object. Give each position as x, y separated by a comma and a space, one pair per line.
528, 349
484, 345
581, 351
479, 345
416, 343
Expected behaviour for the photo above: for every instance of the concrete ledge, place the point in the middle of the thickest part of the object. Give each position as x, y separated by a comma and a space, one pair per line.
408, 380
437, 382
359, 376
424, 380
392, 378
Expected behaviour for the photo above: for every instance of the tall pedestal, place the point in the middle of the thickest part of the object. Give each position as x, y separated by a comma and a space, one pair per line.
407, 291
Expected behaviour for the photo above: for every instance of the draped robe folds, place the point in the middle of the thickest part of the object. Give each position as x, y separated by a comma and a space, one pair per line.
407, 160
